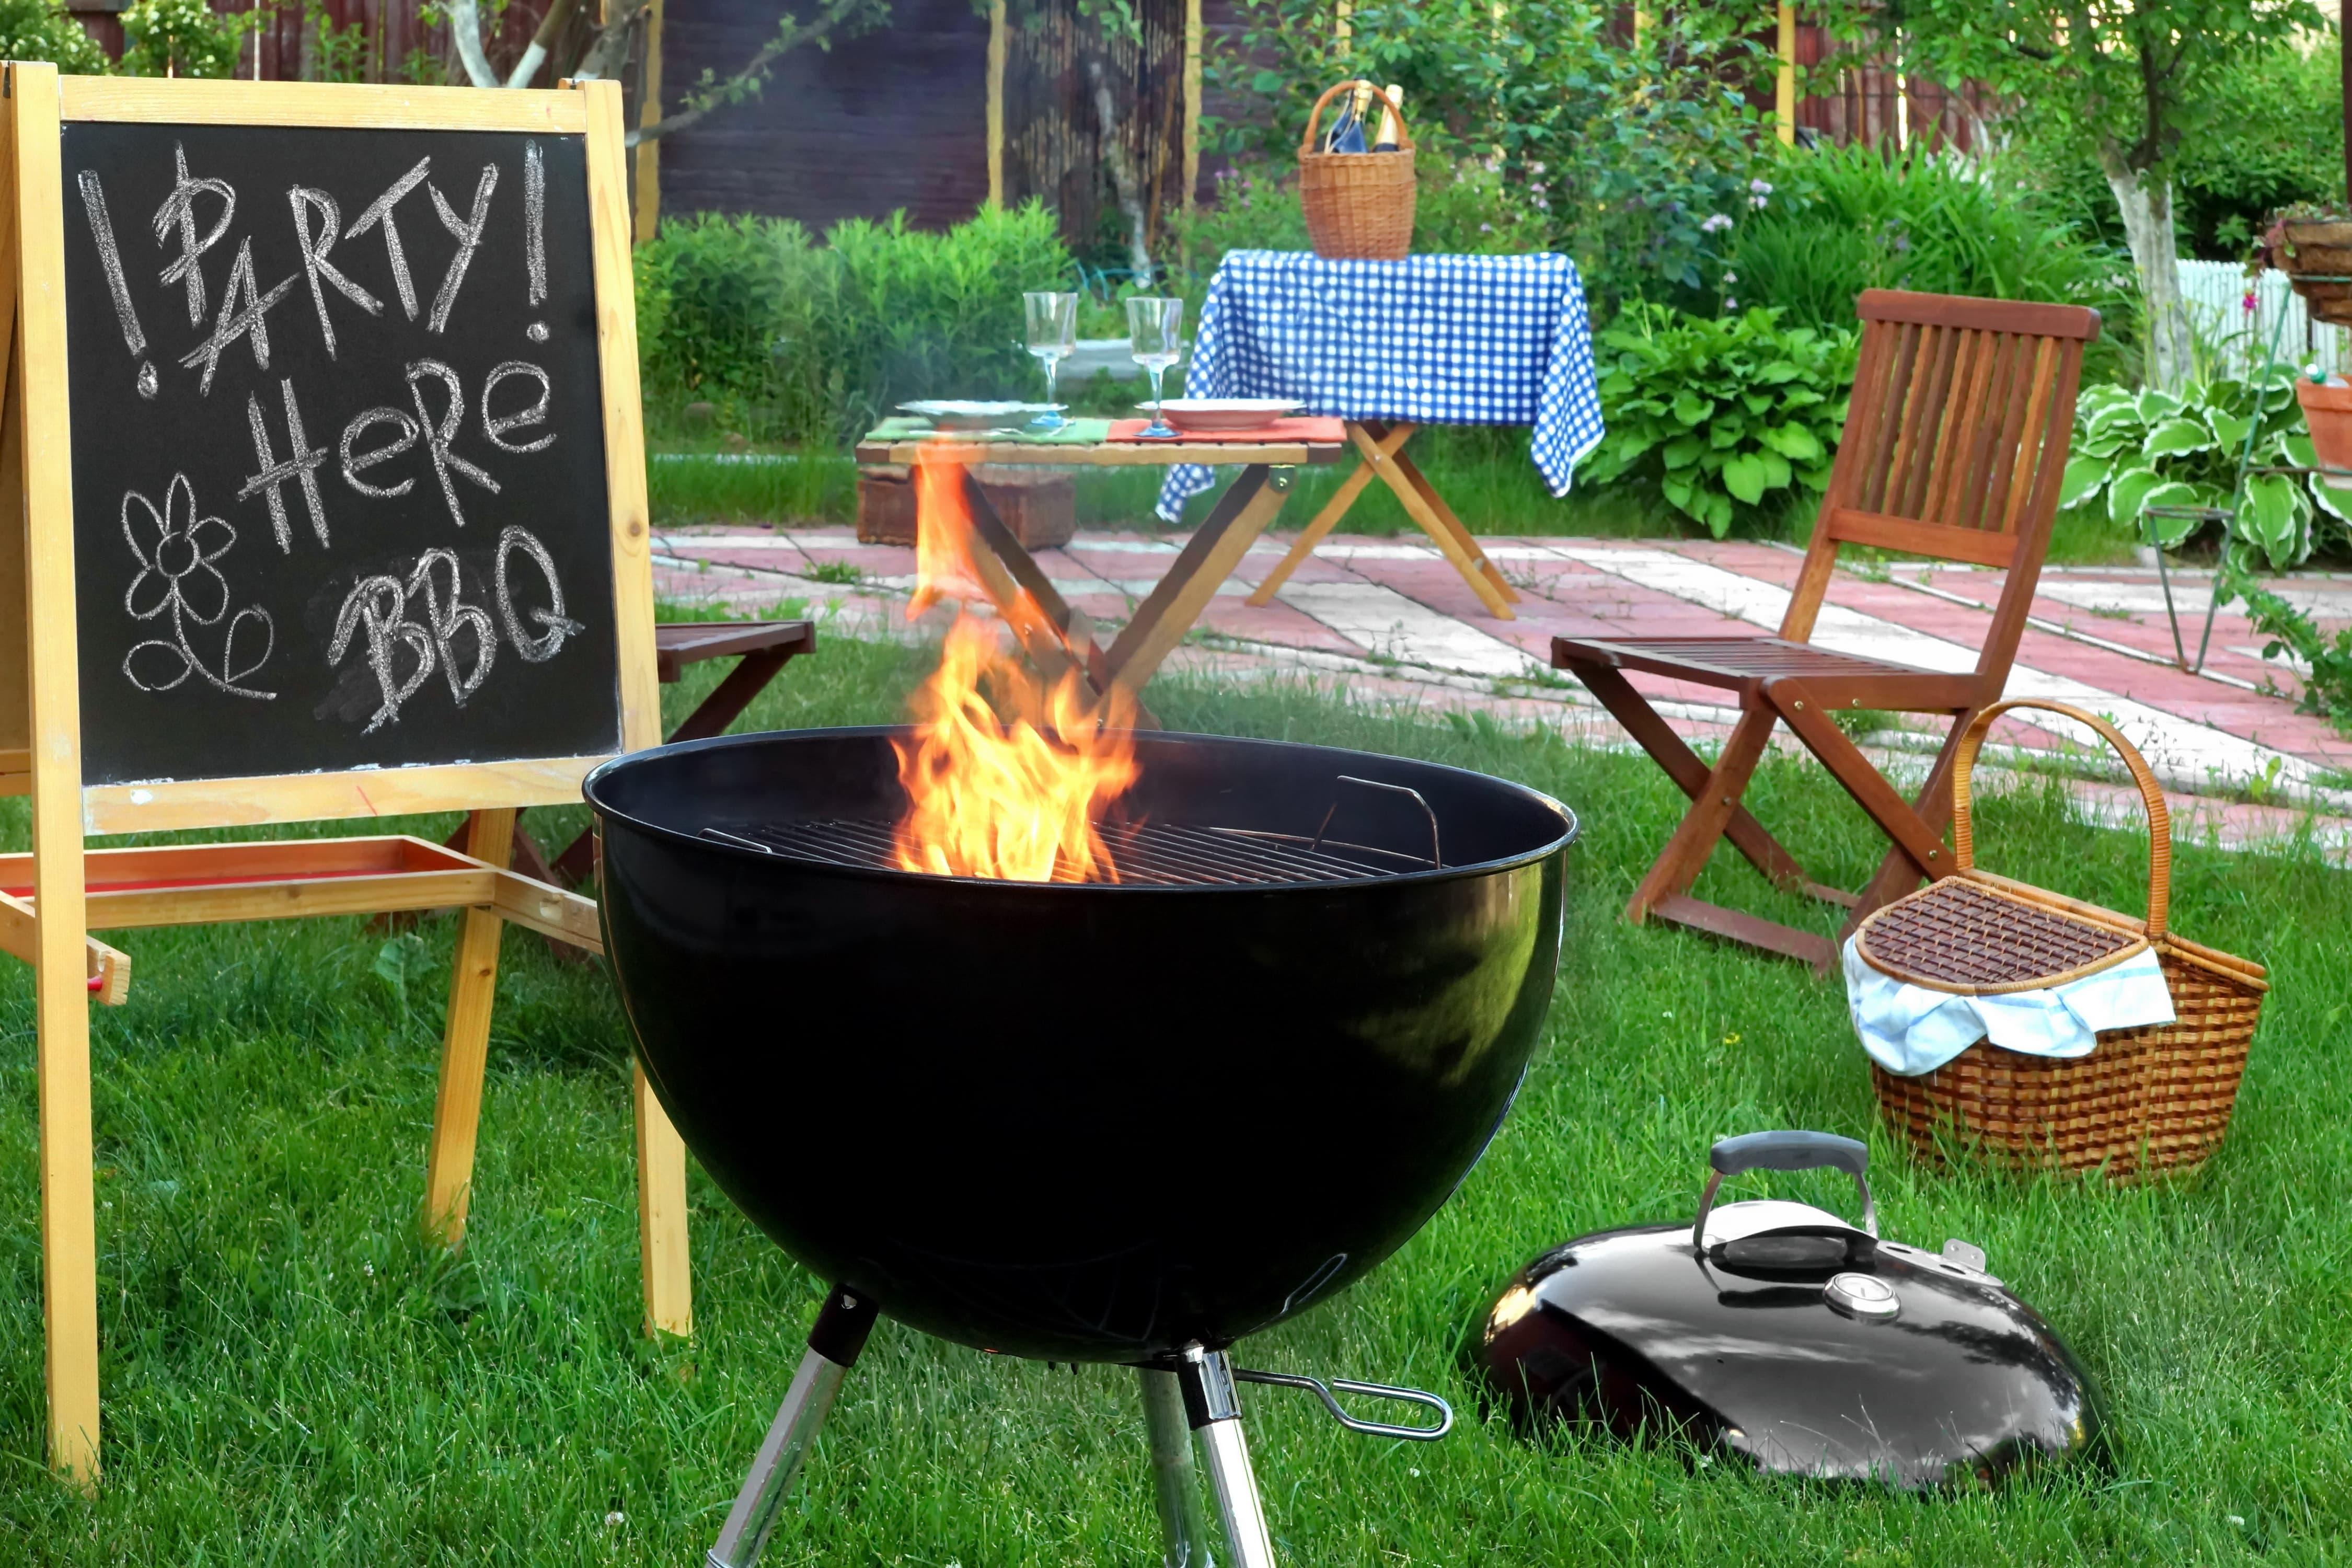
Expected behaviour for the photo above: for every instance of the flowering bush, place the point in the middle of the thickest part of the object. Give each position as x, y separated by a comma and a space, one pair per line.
41, 31
1720, 412
183, 37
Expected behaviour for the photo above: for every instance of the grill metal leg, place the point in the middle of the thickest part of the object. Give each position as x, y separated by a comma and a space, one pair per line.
1183, 1529
1214, 1412
833, 1349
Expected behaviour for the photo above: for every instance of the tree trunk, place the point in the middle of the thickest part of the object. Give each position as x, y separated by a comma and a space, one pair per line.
1121, 160
2145, 201
466, 28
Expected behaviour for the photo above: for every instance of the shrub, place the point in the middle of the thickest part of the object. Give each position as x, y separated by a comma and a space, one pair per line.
41, 31
1851, 218
1720, 412
2182, 449
710, 298
911, 314
800, 342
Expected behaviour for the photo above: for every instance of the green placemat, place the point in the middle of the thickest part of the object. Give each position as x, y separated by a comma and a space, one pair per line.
1076, 433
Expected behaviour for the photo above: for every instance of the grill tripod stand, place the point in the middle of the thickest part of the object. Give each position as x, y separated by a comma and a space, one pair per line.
1194, 1398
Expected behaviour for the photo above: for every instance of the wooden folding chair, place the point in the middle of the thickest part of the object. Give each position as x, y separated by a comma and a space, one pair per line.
1954, 445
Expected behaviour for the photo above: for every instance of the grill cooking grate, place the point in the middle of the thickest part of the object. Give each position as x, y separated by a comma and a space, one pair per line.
1150, 854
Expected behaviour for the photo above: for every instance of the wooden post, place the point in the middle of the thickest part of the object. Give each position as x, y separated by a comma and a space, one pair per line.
1784, 86
998, 45
1193, 40
661, 1154
465, 1044
662, 1253
61, 993
647, 217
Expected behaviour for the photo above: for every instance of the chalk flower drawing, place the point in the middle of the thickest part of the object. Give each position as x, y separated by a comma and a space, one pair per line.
177, 578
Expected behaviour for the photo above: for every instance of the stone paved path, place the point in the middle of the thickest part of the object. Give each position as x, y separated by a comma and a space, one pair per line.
1389, 618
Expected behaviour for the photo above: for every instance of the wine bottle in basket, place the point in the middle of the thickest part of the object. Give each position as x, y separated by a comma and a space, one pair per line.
1388, 129
1348, 135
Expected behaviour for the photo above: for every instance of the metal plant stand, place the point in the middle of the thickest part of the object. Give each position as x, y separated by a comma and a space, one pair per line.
1190, 1404
2204, 514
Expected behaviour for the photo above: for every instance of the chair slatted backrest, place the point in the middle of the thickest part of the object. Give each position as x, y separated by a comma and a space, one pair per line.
1956, 440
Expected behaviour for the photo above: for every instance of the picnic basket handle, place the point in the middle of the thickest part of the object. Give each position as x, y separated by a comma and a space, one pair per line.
2151, 794
1404, 137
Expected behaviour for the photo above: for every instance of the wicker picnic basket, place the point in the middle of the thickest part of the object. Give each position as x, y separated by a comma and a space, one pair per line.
1359, 206
2146, 1100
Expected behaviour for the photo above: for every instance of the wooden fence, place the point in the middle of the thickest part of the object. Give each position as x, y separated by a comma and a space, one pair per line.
2236, 339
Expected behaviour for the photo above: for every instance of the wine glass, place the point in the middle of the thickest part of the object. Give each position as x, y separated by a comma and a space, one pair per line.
1052, 334
1151, 340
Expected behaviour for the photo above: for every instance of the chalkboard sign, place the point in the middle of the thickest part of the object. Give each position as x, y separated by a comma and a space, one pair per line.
339, 463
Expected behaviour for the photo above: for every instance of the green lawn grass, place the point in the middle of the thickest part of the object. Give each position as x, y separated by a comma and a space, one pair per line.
292, 1378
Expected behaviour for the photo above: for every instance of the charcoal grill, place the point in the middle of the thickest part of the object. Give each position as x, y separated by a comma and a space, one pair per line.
1125, 1120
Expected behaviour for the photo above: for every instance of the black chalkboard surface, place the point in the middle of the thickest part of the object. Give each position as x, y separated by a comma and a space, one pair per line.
339, 490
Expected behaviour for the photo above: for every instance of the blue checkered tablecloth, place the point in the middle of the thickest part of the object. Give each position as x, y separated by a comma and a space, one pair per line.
1434, 339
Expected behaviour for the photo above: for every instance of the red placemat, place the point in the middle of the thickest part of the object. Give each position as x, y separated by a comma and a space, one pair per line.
1314, 429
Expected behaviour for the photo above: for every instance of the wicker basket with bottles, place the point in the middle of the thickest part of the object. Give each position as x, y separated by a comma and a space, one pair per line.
2146, 1100
1359, 206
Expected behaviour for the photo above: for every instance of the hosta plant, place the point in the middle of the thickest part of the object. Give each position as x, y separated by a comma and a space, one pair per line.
2134, 450
1720, 411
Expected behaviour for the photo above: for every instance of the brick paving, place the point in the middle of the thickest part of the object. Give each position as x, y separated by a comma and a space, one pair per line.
1387, 619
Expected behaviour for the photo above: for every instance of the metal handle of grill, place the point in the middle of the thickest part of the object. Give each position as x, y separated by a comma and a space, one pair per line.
1368, 1389
1436, 858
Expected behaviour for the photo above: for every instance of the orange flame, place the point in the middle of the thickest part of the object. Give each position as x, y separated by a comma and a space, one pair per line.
1011, 791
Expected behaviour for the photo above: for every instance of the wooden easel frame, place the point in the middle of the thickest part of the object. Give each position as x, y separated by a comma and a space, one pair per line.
218, 882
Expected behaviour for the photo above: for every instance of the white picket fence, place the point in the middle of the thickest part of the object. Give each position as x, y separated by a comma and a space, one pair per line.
2237, 341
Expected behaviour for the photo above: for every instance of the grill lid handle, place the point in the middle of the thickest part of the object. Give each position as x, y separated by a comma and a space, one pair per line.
1789, 1150
1370, 1391
1435, 857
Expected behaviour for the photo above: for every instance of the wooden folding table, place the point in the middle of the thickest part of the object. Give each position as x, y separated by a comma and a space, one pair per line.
1057, 637
1379, 445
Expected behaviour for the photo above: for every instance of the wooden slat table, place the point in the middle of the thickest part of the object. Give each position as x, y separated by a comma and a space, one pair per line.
1056, 637
1379, 445
760, 648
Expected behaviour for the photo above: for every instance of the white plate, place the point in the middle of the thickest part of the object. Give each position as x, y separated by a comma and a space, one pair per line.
958, 413
1225, 412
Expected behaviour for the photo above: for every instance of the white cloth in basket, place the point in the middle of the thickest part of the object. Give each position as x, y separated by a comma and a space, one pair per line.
1909, 1029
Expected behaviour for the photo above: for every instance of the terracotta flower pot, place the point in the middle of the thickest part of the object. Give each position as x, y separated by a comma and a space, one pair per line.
2328, 410
2305, 249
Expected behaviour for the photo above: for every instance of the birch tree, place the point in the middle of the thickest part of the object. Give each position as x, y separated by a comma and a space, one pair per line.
2128, 79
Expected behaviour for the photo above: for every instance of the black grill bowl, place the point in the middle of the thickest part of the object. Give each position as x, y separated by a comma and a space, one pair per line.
1081, 1122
